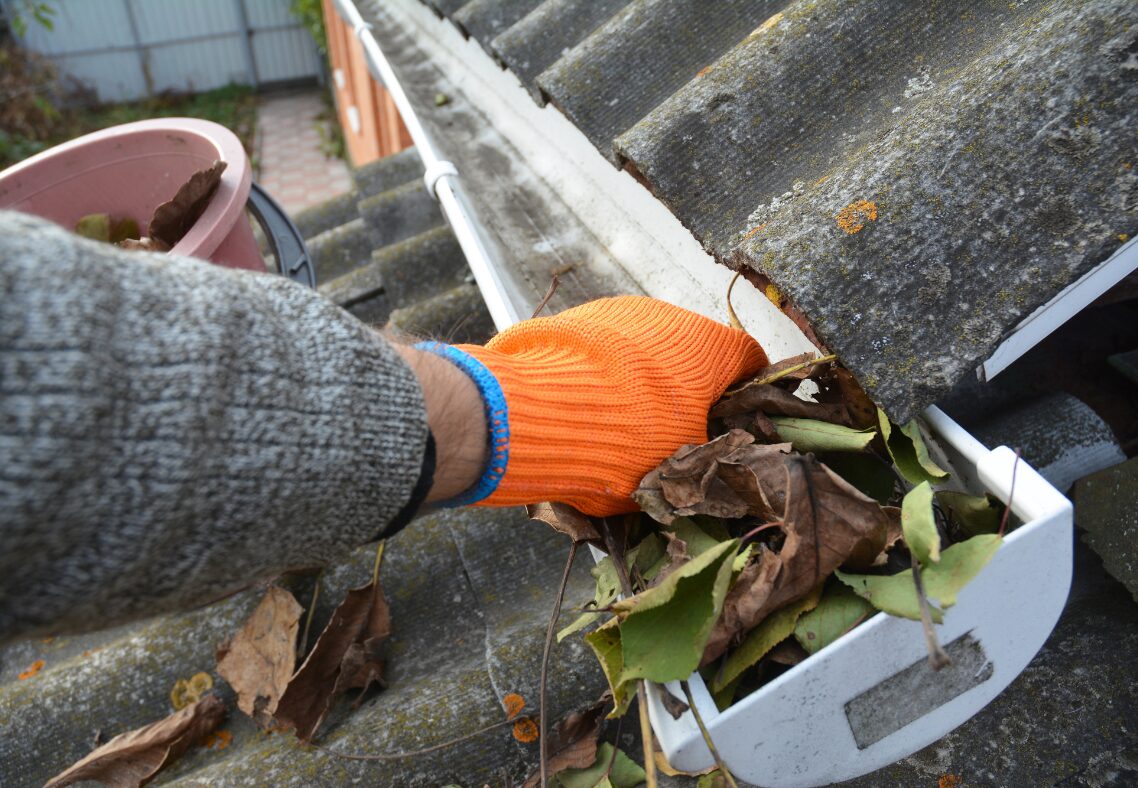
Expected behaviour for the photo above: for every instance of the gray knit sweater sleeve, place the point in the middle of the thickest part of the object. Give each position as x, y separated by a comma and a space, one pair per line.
171, 430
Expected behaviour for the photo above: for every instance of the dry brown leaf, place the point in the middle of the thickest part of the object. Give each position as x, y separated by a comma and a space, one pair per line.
687, 474
346, 656
174, 218
788, 652
573, 742
566, 519
773, 400
133, 758
838, 385
728, 477
827, 523
259, 660
673, 705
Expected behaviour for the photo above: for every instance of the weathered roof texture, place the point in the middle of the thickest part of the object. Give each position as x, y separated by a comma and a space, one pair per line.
916, 177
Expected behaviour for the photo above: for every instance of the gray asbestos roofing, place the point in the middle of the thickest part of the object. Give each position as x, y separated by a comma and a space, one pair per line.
916, 178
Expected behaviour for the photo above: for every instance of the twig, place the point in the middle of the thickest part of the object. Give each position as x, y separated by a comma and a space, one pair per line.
617, 558
707, 736
553, 284
732, 318
395, 756
646, 734
937, 657
302, 646
378, 558
760, 529
1011, 494
545, 659
782, 373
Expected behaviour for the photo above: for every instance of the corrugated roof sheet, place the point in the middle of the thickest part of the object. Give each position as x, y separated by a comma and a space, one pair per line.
916, 177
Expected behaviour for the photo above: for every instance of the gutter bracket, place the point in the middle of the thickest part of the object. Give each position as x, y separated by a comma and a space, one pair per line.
440, 168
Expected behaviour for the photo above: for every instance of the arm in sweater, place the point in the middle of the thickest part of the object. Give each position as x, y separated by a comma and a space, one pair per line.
171, 431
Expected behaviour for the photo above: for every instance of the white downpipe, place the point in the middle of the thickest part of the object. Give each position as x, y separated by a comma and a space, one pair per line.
441, 178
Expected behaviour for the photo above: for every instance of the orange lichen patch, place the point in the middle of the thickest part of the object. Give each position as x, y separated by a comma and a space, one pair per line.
218, 740
703, 72
48, 639
1127, 165
949, 781
853, 218
1124, 237
525, 730
32, 670
821, 180
751, 233
773, 295
514, 704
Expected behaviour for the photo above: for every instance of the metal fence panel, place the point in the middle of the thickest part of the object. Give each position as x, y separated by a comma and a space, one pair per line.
128, 49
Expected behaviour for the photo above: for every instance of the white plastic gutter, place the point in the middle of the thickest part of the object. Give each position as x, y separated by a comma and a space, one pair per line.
441, 178
1034, 328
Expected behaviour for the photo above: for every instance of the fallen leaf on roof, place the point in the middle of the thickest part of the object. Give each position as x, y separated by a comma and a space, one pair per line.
134, 758
567, 520
573, 742
260, 659
187, 692
346, 656
173, 219
918, 525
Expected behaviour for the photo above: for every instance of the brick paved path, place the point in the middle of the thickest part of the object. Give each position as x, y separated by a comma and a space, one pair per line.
292, 167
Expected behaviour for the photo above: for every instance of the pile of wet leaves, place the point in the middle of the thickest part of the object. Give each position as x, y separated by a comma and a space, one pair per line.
807, 513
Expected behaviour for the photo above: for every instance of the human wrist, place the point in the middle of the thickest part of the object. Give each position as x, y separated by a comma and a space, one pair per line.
455, 416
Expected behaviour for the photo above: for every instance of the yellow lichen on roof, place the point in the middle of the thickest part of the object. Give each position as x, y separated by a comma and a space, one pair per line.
853, 218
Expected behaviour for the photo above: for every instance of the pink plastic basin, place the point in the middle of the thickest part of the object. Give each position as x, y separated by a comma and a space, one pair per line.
131, 169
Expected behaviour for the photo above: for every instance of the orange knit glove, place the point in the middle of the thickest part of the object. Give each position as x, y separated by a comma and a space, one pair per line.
600, 394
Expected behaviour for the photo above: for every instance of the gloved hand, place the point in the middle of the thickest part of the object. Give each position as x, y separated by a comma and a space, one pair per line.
581, 405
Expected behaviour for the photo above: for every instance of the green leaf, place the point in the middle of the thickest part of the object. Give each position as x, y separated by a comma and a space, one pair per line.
839, 611
608, 589
867, 472
122, 229
773, 629
625, 772
96, 226
714, 779
666, 628
645, 555
974, 514
605, 642
725, 696
896, 594
908, 450
918, 525
811, 435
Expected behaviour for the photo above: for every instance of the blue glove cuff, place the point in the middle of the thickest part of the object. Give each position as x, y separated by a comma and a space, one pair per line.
497, 421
